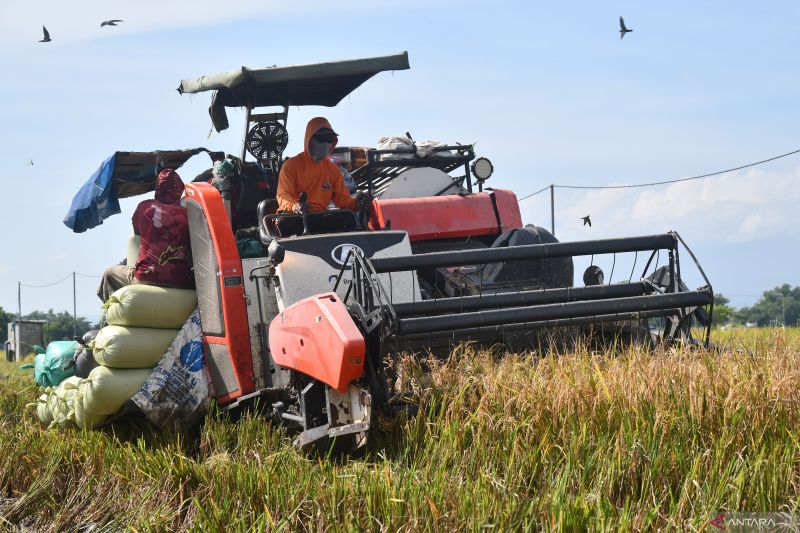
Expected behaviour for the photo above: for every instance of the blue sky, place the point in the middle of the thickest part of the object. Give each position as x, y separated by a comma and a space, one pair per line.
548, 92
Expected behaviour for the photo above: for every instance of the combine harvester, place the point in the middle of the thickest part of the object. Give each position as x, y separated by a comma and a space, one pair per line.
305, 328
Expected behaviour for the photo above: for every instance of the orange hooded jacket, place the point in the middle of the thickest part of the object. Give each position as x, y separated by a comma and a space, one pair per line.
321, 180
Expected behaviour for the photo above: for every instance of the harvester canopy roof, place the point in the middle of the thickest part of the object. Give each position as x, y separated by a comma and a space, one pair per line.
323, 84
122, 175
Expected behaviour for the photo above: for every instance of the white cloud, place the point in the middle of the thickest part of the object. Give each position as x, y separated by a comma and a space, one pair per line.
733, 208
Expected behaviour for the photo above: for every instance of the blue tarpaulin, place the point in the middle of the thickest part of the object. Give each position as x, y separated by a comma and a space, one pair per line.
122, 175
95, 201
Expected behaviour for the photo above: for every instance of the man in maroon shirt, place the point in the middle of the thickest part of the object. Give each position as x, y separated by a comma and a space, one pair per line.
164, 250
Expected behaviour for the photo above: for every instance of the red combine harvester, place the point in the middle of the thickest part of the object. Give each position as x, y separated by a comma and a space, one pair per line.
305, 326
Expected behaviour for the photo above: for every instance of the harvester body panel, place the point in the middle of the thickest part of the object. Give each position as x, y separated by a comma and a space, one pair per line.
317, 336
262, 308
312, 264
220, 293
447, 217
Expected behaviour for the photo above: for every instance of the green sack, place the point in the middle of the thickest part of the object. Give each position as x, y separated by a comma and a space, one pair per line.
129, 347
148, 306
249, 247
48, 367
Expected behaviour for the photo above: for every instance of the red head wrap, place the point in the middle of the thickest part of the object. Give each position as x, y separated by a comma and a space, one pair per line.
169, 187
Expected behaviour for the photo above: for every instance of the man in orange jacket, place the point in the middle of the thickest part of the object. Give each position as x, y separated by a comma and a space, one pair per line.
313, 173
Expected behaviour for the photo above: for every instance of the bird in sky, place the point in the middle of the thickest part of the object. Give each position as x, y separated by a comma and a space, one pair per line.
587, 220
112, 22
46, 38
622, 28
30, 162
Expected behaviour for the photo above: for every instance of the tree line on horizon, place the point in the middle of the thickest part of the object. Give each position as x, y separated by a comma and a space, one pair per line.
60, 326
776, 307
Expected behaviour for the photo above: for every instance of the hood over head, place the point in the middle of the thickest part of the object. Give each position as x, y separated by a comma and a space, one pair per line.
313, 126
169, 187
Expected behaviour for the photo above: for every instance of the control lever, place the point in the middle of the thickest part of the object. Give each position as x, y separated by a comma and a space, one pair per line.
303, 201
364, 201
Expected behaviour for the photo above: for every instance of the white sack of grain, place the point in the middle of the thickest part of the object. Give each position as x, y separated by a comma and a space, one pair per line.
60, 403
148, 306
131, 347
107, 389
85, 419
43, 410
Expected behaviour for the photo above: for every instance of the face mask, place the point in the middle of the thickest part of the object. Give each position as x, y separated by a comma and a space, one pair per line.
318, 150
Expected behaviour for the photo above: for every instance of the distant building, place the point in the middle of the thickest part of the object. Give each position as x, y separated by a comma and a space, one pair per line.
21, 340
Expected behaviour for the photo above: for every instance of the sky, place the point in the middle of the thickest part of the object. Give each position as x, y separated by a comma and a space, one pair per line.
546, 90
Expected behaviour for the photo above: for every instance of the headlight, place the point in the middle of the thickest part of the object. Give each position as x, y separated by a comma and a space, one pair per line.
482, 169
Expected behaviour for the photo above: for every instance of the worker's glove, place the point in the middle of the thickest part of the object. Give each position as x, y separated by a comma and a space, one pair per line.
296, 209
363, 201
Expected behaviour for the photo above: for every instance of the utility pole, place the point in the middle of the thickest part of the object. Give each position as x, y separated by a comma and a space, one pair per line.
18, 333
74, 309
783, 304
552, 209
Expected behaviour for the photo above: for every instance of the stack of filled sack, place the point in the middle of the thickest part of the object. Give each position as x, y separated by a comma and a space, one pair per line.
142, 321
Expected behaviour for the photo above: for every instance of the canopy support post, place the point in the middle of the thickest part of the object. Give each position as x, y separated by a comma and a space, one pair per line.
246, 129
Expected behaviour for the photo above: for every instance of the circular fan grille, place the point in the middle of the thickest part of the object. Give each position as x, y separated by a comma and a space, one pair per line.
267, 140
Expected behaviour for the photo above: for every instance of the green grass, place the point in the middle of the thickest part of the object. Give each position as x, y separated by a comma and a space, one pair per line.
634, 441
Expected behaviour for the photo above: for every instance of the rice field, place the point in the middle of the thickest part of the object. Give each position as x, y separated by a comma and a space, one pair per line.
629, 440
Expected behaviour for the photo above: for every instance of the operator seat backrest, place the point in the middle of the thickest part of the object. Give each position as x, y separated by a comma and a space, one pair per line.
252, 187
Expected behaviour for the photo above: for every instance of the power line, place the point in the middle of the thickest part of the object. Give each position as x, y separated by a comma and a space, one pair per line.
535, 193
663, 182
47, 284
59, 281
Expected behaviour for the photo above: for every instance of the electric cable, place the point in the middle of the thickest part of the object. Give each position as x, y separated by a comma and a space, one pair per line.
535, 193
663, 182
47, 284
59, 281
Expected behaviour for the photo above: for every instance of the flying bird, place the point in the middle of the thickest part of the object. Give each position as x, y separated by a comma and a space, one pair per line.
112, 22
587, 220
46, 38
30, 162
622, 28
